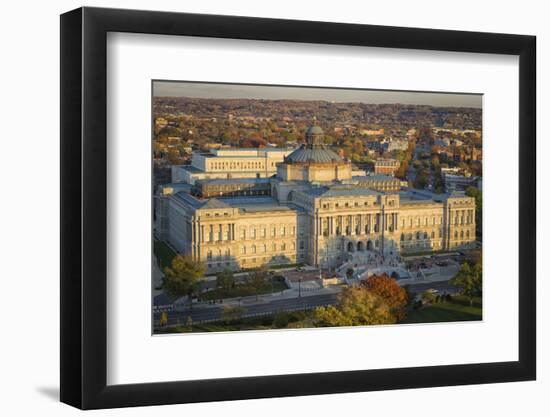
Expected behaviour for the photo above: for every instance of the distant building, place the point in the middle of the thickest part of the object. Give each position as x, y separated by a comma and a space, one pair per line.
458, 182
444, 142
396, 145
379, 182
230, 163
386, 166
372, 132
475, 154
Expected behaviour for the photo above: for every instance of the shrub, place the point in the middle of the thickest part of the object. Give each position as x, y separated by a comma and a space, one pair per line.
280, 320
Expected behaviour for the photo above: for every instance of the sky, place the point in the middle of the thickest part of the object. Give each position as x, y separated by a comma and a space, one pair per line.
214, 90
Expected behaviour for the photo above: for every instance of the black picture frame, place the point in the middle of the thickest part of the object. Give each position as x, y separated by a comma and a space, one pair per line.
84, 207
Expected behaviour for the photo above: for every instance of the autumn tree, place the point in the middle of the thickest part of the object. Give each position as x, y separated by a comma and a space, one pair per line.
390, 291
163, 321
182, 277
356, 307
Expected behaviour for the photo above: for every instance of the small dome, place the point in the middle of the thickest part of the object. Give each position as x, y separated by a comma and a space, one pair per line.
314, 130
313, 150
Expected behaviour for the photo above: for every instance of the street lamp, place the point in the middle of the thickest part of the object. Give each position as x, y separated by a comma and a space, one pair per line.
299, 287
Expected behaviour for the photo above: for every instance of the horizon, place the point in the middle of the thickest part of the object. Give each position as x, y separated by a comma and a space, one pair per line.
219, 91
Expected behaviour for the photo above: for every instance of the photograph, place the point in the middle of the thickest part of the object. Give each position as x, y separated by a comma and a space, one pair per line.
294, 207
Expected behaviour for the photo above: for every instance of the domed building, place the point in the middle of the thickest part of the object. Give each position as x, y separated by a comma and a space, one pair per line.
314, 162
316, 210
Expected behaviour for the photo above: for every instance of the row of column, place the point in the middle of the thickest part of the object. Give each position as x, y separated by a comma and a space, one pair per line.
464, 217
217, 232
331, 225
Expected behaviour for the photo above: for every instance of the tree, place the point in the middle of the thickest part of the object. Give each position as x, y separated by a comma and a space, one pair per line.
232, 313
349, 273
280, 320
163, 318
390, 291
356, 307
225, 279
257, 280
428, 297
182, 276
469, 279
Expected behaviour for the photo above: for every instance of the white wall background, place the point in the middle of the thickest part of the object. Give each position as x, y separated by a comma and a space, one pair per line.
29, 220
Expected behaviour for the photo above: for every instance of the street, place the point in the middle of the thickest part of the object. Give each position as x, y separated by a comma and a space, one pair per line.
213, 313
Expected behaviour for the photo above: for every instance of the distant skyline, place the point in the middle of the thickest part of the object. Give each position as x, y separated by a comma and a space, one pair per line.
243, 91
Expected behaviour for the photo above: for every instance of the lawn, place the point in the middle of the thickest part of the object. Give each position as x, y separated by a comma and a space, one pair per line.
242, 290
457, 310
164, 253
265, 322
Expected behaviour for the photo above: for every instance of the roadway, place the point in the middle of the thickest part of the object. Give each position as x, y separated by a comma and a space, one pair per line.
264, 306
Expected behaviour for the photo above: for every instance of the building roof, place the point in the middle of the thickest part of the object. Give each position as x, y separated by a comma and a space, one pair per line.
190, 168
376, 177
214, 203
341, 191
313, 150
255, 204
216, 181
316, 154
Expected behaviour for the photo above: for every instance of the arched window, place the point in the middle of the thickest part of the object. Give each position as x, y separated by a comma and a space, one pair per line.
209, 254
402, 237
253, 248
456, 234
417, 235
467, 234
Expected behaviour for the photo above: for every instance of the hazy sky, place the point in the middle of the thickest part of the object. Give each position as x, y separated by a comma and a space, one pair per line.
206, 90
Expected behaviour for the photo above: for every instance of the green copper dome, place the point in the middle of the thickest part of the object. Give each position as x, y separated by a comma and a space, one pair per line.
313, 150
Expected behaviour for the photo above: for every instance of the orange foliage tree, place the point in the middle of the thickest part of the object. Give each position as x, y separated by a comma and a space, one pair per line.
390, 291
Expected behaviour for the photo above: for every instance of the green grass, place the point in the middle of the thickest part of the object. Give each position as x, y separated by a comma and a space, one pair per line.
164, 253
457, 310
248, 323
242, 290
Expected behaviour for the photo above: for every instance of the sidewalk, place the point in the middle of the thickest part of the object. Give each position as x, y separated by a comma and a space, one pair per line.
267, 298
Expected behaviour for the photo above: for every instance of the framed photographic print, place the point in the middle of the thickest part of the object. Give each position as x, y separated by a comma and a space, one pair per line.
257, 208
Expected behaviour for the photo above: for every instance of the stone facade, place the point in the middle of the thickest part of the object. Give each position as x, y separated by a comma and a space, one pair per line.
230, 163
386, 166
